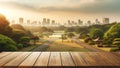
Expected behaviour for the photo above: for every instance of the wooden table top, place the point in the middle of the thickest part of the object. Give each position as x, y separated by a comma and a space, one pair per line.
59, 59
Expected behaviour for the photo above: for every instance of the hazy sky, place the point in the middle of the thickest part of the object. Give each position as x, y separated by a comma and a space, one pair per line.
61, 10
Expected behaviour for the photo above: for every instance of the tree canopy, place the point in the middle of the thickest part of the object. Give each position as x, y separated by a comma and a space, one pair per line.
7, 44
96, 33
4, 26
112, 33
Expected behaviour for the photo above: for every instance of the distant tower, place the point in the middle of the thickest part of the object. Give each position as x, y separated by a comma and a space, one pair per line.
97, 21
48, 21
21, 20
28, 21
80, 22
105, 20
89, 22
53, 22
69, 22
44, 21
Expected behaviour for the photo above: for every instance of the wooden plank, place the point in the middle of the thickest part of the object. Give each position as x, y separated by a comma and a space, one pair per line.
78, 60
110, 58
8, 58
30, 60
3, 54
100, 61
15, 62
88, 59
117, 54
67, 59
55, 60
43, 59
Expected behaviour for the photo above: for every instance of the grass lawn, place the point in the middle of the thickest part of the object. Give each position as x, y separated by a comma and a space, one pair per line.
58, 45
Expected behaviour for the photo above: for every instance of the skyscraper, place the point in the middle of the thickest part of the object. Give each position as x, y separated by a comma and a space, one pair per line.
48, 21
89, 23
21, 20
53, 22
28, 21
105, 20
44, 20
97, 21
80, 22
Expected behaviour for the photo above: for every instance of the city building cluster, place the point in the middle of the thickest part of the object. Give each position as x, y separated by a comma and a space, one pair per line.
69, 23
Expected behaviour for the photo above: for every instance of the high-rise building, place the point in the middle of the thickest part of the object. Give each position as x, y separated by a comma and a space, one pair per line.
44, 20
53, 22
21, 20
69, 22
105, 20
97, 21
28, 21
89, 22
80, 22
48, 21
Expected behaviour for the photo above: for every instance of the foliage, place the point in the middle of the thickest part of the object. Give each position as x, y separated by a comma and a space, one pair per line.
117, 42
25, 40
91, 43
20, 46
5, 29
64, 37
87, 39
35, 39
70, 29
112, 33
7, 44
70, 35
18, 26
114, 49
83, 35
17, 34
96, 33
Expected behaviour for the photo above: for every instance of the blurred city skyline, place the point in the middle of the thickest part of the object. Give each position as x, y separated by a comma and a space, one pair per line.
61, 10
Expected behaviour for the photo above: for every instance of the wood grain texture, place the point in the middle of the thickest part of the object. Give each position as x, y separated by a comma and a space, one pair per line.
30, 60
66, 59
3, 54
8, 58
42, 60
15, 62
59, 60
55, 59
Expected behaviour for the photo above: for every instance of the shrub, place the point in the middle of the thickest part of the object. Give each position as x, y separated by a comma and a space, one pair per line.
86, 40
117, 42
7, 44
20, 46
96, 33
114, 49
112, 33
91, 43
25, 40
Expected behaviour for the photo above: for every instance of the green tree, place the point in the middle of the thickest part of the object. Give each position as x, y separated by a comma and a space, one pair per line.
117, 42
70, 35
25, 40
17, 34
35, 39
7, 44
63, 37
112, 33
96, 33
5, 29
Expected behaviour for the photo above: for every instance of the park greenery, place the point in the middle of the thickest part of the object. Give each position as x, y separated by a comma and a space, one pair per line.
15, 37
